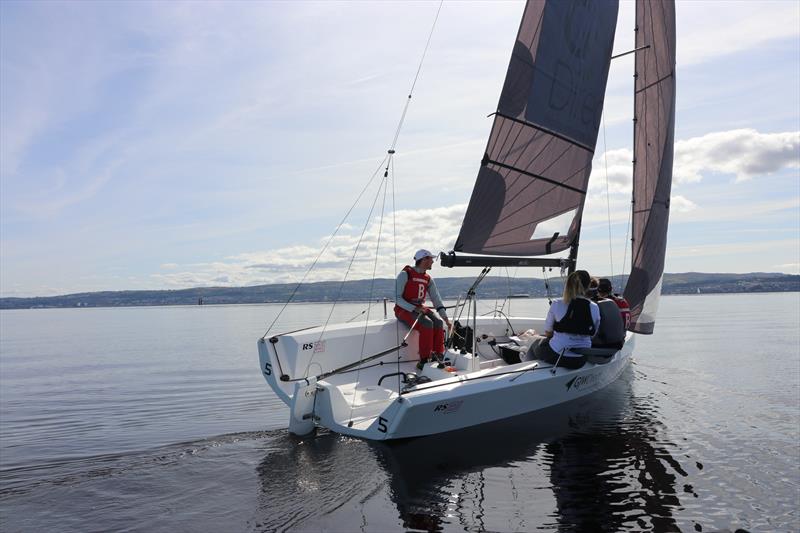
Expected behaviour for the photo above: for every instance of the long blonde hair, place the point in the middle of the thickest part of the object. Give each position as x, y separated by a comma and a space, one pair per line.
573, 287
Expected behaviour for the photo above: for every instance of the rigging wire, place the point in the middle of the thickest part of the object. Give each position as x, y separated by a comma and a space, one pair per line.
625, 257
608, 200
547, 286
330, 240
347, 272
371, 288
388, 159
416, 77
394, 256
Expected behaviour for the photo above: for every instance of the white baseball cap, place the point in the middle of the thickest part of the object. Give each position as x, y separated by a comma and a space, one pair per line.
422, 254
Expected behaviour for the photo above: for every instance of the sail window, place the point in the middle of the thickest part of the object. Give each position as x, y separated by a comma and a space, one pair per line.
558, 224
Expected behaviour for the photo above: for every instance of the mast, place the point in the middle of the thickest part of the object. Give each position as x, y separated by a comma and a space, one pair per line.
633, 134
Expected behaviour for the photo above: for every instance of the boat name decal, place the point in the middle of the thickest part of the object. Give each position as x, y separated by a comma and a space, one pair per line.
449, 407
583, 382
318, 346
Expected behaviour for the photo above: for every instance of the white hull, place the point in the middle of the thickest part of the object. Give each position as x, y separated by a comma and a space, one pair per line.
483, 389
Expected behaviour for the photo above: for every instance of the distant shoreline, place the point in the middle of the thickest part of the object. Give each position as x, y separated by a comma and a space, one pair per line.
377, 302
366, 290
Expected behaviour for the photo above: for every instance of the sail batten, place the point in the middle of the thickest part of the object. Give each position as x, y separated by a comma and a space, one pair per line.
654, 133
537, 176
544, 131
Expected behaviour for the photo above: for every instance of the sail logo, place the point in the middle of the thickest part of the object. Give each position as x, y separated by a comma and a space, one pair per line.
583, 382
449, 407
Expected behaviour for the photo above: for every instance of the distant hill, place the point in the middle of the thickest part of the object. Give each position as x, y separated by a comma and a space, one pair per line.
359, 290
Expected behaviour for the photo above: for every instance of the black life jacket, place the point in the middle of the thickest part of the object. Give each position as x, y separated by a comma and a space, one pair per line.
578, 319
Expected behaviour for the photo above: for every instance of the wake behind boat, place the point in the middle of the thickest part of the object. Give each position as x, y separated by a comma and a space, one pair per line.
361, 379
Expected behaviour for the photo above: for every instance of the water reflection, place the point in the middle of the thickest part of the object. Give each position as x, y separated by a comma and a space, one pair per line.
600, 457
596, 464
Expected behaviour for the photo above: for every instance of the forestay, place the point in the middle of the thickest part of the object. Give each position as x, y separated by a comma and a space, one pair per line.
530, 190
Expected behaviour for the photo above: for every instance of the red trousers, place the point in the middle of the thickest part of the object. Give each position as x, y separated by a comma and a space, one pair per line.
429, 326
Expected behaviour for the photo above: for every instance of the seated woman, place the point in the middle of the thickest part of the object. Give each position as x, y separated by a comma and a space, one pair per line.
571, 322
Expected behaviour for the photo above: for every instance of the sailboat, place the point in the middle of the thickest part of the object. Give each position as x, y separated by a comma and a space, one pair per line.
361, 380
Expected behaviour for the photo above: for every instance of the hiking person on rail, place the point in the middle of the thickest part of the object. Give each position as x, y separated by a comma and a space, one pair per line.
412, 287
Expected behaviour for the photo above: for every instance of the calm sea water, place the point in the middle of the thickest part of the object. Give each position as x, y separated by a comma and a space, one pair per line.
158, 419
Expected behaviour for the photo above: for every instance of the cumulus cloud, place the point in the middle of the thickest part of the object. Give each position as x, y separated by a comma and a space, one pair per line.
618, 166
745, 153
681, 204
349, 253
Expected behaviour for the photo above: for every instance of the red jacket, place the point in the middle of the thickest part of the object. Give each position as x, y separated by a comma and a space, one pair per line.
416, 289
624, 309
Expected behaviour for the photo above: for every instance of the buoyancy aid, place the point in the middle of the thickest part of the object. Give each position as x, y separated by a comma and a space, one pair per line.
611, 333
578, 318
416, 289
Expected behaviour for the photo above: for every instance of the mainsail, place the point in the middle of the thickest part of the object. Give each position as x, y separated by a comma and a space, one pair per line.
654, 130
530, 191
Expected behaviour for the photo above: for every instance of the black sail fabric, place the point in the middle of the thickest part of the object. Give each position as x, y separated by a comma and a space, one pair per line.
653, 148
529, 194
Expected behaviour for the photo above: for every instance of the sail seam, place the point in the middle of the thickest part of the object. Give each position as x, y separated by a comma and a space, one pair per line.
545, 130
665, 78
534, 158
576, 173
510, 230
514, 144
532, 175
533, 201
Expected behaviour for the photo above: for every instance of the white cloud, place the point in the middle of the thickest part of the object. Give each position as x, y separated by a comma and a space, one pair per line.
738, 152
746, 153
347, 252
618, 166
679, 204
192, 128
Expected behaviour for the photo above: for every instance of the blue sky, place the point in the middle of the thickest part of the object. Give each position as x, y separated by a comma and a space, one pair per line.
156, 145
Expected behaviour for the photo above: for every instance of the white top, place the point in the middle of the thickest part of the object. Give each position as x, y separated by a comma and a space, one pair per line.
568, 340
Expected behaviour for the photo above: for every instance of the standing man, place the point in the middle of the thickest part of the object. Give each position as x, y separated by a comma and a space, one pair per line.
412, 287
